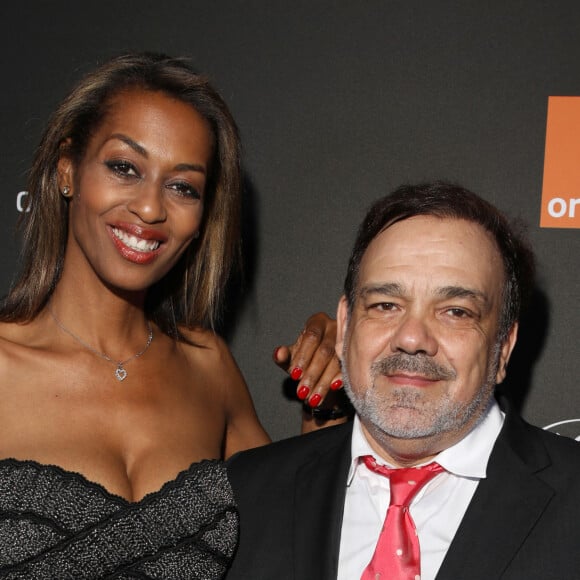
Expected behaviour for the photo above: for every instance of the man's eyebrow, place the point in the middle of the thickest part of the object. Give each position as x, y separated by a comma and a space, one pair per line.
396, 289
386, 289
462, 292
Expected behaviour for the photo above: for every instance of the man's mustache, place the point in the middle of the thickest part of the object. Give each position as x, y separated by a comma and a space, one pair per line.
418, 364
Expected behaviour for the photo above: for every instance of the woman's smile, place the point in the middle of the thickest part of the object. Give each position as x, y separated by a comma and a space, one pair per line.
143, 191
135, 249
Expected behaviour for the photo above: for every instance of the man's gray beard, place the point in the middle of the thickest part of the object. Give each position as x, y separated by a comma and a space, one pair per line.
431, 417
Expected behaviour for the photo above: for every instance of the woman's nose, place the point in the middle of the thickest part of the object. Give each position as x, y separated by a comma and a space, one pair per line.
148, 203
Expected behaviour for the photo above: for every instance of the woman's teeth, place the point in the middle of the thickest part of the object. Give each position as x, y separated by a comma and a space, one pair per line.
135, 243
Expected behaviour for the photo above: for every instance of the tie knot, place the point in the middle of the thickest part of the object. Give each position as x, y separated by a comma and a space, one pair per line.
406, 481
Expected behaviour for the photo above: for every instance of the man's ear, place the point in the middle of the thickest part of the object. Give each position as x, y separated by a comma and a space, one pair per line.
341, 324
506, 351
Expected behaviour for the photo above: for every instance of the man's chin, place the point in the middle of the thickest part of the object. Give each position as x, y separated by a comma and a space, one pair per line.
406, 432
403, 423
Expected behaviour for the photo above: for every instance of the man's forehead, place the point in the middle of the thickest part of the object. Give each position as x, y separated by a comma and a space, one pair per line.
422, 228
428, 246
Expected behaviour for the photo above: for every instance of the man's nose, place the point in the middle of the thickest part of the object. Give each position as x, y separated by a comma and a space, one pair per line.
414, 335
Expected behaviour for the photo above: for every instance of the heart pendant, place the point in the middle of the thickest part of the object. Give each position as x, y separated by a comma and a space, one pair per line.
120, 373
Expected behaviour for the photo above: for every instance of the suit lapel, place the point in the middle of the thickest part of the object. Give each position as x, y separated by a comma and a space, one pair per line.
319, 502
504, 508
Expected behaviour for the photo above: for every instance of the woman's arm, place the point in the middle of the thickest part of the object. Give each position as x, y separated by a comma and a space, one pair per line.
312, 357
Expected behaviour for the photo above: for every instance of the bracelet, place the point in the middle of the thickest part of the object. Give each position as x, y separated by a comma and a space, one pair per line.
326, 414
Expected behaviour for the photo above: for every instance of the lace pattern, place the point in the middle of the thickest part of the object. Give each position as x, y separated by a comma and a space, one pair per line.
57, 524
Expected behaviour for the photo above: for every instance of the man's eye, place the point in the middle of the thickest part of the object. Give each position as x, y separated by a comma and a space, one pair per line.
383, 306
458, 312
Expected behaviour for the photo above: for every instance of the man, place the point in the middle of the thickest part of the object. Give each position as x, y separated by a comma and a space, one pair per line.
426, 327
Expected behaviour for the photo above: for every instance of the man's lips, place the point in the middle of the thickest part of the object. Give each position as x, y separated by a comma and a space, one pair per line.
411, 380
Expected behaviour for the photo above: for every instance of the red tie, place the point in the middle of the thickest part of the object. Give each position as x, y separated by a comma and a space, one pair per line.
397, 555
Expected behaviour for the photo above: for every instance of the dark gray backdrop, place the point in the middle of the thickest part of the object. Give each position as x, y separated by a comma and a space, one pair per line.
338, 103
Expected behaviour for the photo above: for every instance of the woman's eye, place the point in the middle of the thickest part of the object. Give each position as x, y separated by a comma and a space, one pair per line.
122, 168
185, 189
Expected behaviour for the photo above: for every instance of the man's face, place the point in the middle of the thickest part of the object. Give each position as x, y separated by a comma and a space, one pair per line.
420, 350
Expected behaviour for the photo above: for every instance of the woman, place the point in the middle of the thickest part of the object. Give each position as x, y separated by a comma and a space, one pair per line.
118, 401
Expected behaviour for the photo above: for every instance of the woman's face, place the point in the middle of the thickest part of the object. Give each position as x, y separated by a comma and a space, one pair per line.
138, 192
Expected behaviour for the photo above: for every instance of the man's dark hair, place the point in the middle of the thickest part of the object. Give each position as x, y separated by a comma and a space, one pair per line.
448, 200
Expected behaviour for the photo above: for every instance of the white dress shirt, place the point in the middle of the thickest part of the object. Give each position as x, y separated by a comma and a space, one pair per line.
437, 509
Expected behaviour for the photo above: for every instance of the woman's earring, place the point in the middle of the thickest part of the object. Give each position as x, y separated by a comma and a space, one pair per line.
66, 192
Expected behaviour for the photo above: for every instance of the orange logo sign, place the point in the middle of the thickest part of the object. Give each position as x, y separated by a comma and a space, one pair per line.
561, 188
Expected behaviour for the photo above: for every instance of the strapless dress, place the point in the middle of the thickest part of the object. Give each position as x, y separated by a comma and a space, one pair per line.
57, 525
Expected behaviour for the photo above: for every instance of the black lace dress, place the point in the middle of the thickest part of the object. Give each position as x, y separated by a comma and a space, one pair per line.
56, 525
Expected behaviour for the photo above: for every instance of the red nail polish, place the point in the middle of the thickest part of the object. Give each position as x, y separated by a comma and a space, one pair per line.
296, 373
336, 385
314, 400
275, 354
303, 392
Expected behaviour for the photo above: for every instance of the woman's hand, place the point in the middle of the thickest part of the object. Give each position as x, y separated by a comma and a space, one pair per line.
312, 362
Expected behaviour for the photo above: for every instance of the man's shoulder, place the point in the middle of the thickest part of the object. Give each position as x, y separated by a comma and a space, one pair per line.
290, 452
555, 459
562, 450
556, 445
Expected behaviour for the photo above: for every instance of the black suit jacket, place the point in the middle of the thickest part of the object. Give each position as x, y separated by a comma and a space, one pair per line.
523, 522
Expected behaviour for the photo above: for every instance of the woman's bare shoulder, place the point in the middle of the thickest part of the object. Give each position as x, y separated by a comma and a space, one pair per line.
243, 427
22, 347
15, 336
205, 344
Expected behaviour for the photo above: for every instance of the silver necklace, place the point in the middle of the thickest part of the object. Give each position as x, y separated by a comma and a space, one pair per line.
120, 371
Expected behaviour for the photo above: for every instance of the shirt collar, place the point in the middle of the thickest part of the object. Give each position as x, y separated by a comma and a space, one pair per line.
467, 458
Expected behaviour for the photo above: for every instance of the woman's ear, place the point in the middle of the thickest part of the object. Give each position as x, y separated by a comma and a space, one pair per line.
65, 171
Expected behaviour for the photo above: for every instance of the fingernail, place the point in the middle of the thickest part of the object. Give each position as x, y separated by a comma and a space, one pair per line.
296, 373
303, 392
275, 354
314, 400
336, 385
